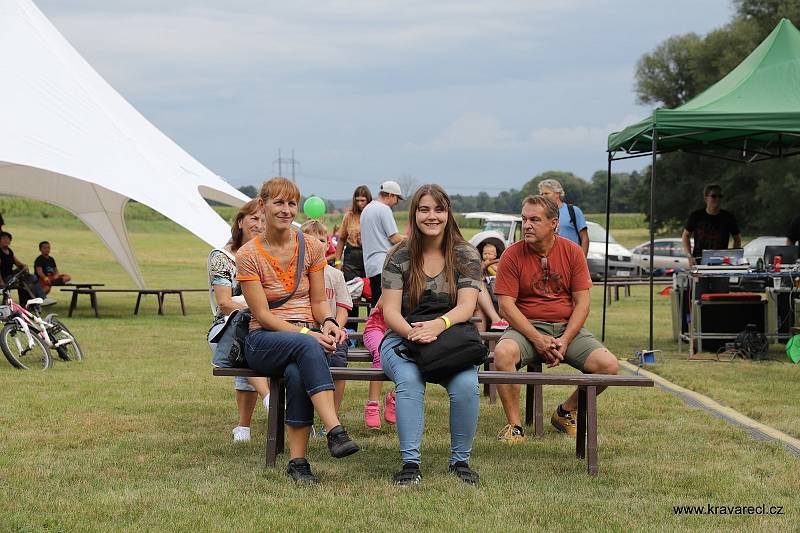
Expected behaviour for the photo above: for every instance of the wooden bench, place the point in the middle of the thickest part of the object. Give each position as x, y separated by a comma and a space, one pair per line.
626, 284
585, 443
159, 293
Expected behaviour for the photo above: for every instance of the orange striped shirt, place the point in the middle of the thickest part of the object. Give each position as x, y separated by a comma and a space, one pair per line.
253, 263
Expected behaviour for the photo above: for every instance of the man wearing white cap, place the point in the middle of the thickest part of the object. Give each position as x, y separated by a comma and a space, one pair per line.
379, 233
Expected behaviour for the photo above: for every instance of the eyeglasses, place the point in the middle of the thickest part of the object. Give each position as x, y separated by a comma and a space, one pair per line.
545, 269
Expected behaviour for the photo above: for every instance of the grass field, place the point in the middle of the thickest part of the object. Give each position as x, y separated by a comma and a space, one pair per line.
138, 436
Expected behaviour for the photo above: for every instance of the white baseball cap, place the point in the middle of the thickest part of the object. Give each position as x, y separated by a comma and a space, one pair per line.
392, 187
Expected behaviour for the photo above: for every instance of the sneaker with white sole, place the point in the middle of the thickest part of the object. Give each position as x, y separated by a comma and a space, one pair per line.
241, 434
500, 325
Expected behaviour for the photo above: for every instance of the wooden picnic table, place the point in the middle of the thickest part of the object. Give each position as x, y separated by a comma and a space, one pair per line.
626, 284
92, 296
159, 293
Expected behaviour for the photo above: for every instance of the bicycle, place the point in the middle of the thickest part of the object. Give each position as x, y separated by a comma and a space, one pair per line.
26, 339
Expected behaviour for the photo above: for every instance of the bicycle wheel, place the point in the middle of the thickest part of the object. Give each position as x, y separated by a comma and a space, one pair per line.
70, 350
15, 346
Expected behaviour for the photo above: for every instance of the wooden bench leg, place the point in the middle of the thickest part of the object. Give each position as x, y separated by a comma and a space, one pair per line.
73, 302
93, 300
138, 301
183, 307
486, 390
275, 420
492, 388
591, 429
281, 416
533, 403
580, 438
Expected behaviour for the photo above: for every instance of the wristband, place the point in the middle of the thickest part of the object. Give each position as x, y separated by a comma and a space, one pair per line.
331, 319
304, 330
447, 322
337, 262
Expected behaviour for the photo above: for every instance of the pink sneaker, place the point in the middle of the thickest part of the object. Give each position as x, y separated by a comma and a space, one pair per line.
389, 409
372, 415
500, 325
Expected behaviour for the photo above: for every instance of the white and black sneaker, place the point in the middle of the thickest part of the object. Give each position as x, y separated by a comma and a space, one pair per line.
408, 475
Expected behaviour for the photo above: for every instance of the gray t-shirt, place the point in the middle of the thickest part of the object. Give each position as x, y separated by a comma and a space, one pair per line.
468, 274
377, 225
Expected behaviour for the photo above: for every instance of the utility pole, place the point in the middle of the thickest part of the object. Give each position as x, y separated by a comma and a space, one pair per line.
289, 162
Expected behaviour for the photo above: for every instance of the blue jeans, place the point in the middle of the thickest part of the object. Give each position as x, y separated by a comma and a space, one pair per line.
410, 389
300, 360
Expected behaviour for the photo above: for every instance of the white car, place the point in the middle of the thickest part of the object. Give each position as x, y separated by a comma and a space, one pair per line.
667, 253
754, 250
620, 259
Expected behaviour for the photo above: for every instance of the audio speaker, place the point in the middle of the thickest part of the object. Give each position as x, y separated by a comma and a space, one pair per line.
728, 319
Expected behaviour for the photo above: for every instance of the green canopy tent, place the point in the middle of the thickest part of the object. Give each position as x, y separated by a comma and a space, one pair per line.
750, 115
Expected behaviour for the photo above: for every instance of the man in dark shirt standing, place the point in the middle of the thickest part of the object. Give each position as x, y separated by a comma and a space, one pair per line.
711, 227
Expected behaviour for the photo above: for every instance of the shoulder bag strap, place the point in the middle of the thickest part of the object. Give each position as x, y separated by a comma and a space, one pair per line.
571, 209
298, 270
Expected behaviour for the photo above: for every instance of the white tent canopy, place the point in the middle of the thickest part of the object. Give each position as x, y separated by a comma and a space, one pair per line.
68, 138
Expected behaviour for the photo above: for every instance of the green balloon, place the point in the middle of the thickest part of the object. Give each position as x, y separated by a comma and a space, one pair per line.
314, 207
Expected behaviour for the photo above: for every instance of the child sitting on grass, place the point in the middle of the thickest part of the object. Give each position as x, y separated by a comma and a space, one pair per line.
340, 302
374, 330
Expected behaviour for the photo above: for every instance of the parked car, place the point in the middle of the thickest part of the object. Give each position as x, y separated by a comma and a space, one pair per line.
754, 250
504, 230
667, 253
620, 259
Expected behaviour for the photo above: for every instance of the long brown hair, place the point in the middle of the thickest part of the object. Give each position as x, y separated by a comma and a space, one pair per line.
452, 238
237, 233
361, 190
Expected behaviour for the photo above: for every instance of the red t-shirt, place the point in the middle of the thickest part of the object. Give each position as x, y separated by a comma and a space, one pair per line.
539, 296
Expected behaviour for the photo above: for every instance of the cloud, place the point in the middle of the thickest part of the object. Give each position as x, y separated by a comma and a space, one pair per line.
478, 132
471, 131
190, 42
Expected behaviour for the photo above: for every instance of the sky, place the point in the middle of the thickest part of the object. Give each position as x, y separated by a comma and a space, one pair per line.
476, 95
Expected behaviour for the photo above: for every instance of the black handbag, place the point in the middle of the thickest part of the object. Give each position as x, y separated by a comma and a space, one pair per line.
457, 348
229, 352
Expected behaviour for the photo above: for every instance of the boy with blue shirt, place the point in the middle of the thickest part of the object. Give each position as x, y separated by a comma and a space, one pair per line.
571, 222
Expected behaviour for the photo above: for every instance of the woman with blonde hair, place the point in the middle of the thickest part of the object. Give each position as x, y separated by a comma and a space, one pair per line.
292, 327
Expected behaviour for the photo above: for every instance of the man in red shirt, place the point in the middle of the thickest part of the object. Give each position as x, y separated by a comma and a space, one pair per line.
543, 290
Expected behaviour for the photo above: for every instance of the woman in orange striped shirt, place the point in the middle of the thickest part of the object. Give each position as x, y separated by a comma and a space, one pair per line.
291, 340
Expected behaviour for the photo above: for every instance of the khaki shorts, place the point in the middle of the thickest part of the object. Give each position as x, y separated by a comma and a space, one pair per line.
577, 353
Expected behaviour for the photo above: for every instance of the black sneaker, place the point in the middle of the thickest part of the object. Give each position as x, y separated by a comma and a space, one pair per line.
463, 472
300, 471
339, 443
408, 475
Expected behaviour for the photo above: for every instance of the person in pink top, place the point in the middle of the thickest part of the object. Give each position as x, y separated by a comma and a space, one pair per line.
374, 330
